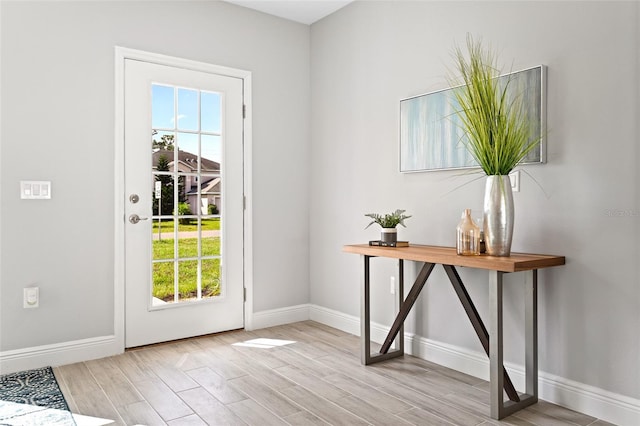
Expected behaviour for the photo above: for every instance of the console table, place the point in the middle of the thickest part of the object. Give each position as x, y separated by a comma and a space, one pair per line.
497, 267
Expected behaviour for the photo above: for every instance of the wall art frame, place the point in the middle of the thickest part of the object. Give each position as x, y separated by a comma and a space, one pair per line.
431, 134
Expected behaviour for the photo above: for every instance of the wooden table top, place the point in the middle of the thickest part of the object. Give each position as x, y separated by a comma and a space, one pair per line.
448, 256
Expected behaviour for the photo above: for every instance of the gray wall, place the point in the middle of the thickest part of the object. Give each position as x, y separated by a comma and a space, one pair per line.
58, 124
583, 204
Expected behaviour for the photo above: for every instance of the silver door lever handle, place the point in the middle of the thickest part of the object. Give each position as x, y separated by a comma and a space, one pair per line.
134, 218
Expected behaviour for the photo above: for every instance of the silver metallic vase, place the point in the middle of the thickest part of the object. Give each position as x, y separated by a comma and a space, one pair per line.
498, 215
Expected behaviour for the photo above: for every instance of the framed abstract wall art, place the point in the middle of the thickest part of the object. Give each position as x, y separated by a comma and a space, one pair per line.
431, 134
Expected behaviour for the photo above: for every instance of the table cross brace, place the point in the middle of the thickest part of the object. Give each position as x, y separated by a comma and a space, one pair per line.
407, 305
477, 324
499, 381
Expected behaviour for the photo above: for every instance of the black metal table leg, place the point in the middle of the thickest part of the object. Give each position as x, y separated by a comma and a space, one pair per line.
420, 281
398, 325
477, 323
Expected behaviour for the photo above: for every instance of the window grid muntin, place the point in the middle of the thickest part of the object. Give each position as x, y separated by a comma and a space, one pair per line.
176, 189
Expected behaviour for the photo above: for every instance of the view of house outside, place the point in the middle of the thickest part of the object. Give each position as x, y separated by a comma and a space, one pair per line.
187, 194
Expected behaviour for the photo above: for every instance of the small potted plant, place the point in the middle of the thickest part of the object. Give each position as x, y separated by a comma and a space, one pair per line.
388, 223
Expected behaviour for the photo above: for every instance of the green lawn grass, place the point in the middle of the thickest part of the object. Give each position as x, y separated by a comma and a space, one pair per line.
187, 247
207, 225
163, 273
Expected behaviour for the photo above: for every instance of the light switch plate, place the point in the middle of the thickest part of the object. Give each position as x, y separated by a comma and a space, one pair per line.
35, 190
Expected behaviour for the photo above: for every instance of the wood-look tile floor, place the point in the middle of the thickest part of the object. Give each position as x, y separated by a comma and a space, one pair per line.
316, 380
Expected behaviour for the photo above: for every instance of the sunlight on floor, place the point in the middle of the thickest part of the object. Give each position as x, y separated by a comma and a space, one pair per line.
264, 343
14, 414
90, 421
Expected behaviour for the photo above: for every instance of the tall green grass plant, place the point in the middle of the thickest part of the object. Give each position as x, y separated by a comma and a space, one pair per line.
498, 132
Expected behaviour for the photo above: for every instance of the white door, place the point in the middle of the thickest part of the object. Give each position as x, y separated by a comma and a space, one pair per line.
184, 203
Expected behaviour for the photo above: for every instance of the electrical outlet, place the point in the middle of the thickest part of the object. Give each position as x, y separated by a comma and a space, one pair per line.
31, 297
392, 285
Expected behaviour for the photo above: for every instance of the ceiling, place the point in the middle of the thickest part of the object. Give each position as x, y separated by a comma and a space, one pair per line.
303, 11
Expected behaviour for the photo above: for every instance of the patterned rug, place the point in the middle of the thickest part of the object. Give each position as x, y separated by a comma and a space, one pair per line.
34, 387
33, 398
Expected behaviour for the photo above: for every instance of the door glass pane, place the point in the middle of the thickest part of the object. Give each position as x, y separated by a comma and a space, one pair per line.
210, 112
211, 242
188, 152
211, 195
162, 190
187, 194
163, 283
162, 107
188, 279
211, 153
163, 240
188, 116
187, 238
211, 282
162, 144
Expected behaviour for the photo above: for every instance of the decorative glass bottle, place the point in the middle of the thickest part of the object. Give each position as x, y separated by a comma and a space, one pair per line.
468, 239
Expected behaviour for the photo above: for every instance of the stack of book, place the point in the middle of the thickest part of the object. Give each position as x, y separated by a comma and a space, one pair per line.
381, 243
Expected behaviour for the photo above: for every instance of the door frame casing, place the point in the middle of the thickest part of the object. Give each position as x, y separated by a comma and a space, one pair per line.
121, 55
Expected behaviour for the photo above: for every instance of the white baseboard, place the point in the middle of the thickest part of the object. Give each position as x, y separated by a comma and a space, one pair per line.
341, 321
58, 354
104, 346
273, 317
605, 405
611, 407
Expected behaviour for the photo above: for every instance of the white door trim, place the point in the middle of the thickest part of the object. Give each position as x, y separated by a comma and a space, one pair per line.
121, 54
